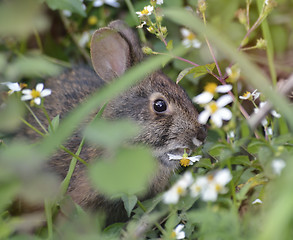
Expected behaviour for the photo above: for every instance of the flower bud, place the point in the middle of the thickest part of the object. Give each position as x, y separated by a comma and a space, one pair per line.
147, 50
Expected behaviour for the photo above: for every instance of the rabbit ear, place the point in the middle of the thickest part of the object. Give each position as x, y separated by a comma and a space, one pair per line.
110, 53
129, 35
114, 49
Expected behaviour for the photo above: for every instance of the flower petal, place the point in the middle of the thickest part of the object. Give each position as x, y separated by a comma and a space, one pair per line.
203, 98
26, 97
216, 119
40, 87
203, 117
224, 100
222, 177
37, 101
98, 3
225, 113
196, 43
46, 92
179, 228
27, 91
113, 3
185, 32
195, 158
174, 157
224, 88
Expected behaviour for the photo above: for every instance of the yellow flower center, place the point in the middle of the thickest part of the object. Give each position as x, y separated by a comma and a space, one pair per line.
93, 20
210, 87
218, 188
173, 234
35, 93
185, 162
247, 94
190, 36
180, 190
213, 107
144, 12
22, 85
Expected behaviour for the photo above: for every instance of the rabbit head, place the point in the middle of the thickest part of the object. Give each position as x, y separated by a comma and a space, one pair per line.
165, 113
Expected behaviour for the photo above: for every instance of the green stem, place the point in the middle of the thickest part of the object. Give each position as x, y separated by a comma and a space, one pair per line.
48, 212
66, 181
36, 118
32, 127
47, 116
73, 155
135, 18
38, 39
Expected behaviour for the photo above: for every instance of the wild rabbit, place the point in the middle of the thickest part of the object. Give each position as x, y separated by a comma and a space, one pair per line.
162, 109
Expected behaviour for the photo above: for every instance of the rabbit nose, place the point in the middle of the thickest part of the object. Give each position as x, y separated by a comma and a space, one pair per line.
200, 136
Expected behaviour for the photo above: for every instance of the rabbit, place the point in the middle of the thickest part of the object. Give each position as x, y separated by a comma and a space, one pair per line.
162, 109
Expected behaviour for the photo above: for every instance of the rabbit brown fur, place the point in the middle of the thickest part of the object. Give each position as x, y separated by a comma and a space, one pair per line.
114, 49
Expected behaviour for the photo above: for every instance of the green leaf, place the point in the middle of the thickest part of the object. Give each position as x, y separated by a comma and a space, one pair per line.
128, 172
183, 73
110, 134
170, 45
129, 203
74, 6
54, 123
34, 65
197, 71
201, 70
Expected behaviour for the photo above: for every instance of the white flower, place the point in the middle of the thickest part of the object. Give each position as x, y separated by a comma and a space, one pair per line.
216, 184
189, 39
248, 95
278, 165
146, 11
217, 111
178, 233
231, 134
184, 159
273, 112
209, 90
14, 87
208, 187
198, 186
257, 201
112, 3
178, 189
35, 95
160, 2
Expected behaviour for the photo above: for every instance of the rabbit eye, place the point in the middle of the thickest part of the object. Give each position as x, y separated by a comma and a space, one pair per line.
160, 105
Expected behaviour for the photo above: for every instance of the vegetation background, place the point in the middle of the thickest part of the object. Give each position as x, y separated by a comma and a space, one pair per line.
38, 40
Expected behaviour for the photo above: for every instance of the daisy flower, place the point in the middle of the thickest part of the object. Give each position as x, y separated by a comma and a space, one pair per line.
35, 95
184, 159
189, 39
278, 165
146, 11
177, 233
209, 90
13, 87
216, 111
178, 189
198, 186
250, 96
216, 185
112, 3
